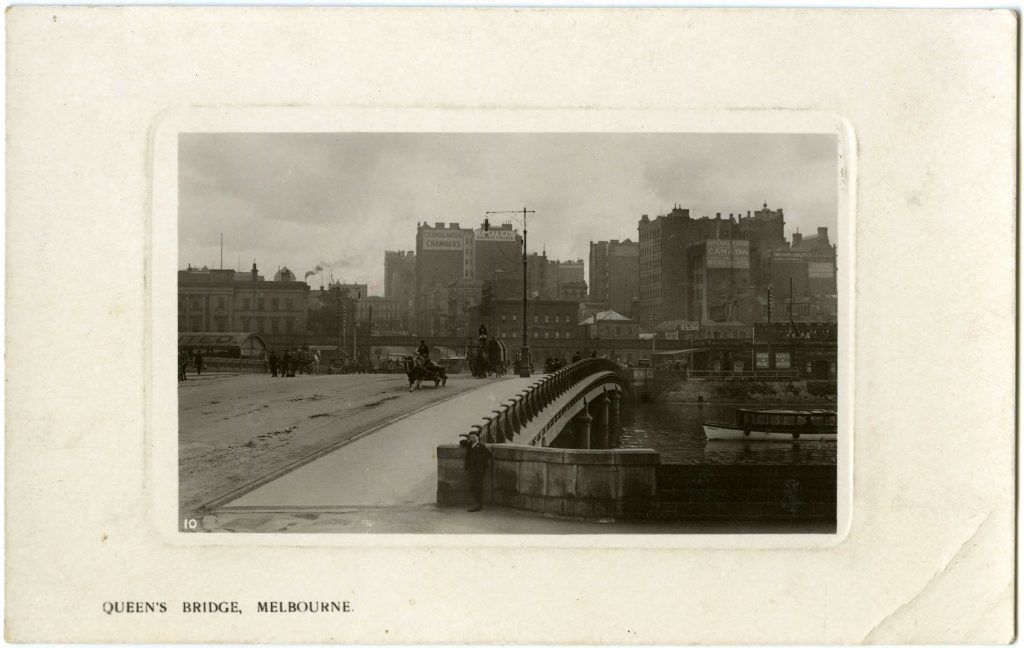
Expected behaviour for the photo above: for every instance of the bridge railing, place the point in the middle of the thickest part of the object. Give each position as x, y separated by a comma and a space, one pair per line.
504, 423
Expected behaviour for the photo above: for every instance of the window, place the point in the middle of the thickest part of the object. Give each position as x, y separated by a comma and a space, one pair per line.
782, 360
535, 320
514, 335
514, 319
832, 368
545, 335
220, 303
556, 319
259, 303
502, 318
181, 302
810, 368
762, 359
246, 304
535, 335
547, 319
273, 304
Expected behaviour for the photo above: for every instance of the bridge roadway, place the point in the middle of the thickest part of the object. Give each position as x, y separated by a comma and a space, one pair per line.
391, 466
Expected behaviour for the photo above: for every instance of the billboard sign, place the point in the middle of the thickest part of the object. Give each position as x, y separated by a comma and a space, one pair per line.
451, 240
728, 254
496, 235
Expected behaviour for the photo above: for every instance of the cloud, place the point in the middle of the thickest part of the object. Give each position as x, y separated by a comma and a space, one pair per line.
294, 199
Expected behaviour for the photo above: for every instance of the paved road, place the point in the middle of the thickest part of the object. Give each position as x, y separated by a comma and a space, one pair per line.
394, 467
237, 429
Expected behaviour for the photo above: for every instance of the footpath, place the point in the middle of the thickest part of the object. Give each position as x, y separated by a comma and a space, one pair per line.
392, 466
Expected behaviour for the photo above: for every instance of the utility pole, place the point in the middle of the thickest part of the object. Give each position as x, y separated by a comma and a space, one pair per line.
251, 340
525, 364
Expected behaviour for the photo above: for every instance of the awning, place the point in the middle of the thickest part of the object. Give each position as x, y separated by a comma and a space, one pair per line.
671, 354
221, 341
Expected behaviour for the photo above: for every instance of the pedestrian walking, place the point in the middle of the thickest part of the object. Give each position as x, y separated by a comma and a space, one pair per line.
199, 363
478, 457
182, 365
273, 364
286, 361
576, 357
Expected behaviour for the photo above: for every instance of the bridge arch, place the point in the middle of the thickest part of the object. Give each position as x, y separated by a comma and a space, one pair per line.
550, 408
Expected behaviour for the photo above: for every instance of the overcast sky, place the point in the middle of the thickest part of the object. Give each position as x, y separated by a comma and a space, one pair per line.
340, 200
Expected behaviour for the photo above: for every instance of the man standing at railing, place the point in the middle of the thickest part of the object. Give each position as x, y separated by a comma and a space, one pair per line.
477, 459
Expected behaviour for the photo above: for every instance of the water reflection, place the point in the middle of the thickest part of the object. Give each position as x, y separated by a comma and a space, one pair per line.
674, 430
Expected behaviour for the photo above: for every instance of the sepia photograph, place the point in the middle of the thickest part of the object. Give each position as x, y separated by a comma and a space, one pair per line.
543, 333
511, 326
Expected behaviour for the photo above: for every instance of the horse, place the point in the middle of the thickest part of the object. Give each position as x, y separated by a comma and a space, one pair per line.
481, 365
496, 357
417, 369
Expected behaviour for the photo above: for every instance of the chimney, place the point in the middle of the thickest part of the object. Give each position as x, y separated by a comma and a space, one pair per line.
797, 238
453, 225
718, 215
438, 225
823, 235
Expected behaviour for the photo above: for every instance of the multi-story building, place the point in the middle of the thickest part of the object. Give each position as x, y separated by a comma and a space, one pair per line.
559, 273
500, 247
226, 300
609, 325
382, 313
462, 294
336, 317
545, 319
400, 281
574, 291
615, 273
664, 244
716, 269
443, 254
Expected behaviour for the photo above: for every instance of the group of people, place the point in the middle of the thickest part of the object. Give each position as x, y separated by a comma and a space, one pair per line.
285, 362
184, 357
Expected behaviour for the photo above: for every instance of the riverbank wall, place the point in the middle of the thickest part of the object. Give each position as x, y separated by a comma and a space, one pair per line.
633, 484
737, 391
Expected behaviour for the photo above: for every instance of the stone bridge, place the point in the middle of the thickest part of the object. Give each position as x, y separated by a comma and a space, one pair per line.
577, 406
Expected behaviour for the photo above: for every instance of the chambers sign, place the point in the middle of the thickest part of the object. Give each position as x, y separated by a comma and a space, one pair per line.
454, 240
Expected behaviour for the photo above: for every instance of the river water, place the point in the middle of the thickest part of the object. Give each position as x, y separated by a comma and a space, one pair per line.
674, 430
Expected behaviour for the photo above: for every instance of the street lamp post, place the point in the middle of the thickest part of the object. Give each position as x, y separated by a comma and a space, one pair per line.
525, 363
252, 342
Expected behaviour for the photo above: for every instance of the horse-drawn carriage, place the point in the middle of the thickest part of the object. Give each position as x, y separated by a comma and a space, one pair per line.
418, 368
489, 358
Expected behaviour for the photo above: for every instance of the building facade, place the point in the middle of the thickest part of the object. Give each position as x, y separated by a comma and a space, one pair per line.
443, 254
400, 281
663, 262
545, 319
615, 273
609, 325
226, 300
716, 269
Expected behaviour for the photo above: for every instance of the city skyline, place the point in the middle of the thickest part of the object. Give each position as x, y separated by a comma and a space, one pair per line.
340, 200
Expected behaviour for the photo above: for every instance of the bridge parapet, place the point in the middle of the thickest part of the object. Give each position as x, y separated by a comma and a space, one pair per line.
550, 403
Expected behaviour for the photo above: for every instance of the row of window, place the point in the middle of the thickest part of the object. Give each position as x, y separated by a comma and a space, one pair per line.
559, 319
538, 335
263, 324
196, 301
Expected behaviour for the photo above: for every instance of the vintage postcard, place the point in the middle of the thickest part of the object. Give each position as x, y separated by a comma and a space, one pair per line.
505, 326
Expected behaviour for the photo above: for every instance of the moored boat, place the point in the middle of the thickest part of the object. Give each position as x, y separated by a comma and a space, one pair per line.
775, 425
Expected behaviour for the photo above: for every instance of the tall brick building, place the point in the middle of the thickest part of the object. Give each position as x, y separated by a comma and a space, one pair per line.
400, 281
614, 273
664, 265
